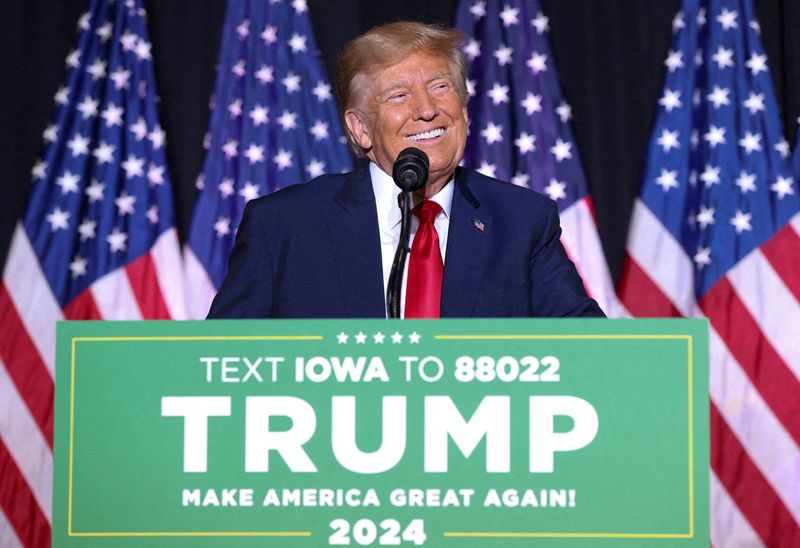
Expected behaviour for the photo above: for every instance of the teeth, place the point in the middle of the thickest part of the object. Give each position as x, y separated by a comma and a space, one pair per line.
426, 135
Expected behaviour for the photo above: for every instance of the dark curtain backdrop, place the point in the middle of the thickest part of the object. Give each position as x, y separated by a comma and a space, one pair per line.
609, 55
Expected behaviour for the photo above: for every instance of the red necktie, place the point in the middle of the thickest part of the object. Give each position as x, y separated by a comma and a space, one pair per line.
424, 287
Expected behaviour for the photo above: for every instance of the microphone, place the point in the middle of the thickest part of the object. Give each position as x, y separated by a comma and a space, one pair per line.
410, 171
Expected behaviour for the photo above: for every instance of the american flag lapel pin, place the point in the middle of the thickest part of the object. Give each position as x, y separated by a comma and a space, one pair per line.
477, 223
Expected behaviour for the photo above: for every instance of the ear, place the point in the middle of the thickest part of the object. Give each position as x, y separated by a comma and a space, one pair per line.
358, 128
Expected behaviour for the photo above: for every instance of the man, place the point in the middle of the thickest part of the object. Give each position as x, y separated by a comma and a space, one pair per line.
324, 249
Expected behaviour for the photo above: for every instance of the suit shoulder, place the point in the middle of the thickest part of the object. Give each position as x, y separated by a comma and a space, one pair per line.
317, 190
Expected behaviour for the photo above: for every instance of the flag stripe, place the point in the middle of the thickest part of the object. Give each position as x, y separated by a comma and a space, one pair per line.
82, 307
115, 298
782, 252
25, 442
19, 505
30, 291
747, 344
8, 538
143, 281
166, 258
25, 367
748, 488
203, 290
640, 295
728, 526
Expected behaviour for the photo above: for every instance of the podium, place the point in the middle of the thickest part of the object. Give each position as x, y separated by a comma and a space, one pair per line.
306, 433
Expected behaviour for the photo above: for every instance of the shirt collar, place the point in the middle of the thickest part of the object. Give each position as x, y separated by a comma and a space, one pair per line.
386, 193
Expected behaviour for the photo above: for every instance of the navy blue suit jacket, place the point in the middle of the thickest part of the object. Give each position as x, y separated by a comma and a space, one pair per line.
313, 250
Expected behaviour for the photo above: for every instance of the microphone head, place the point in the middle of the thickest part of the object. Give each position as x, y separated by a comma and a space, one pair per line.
410, 171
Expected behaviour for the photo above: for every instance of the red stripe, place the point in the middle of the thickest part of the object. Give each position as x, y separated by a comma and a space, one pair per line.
82, 307
25, 366
743, 336
782, 252
640, 295
144, 283
590, 207
19, 505
748, 488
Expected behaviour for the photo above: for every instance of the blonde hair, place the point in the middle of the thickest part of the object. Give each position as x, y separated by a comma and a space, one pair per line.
386, 45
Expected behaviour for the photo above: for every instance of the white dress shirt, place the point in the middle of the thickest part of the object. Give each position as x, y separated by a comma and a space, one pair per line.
389, 218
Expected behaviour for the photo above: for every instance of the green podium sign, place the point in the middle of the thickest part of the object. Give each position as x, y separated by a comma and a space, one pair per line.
382, 433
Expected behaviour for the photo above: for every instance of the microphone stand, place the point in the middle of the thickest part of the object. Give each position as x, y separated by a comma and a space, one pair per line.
395, 285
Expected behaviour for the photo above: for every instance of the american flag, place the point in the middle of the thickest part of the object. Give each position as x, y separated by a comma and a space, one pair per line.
97, 242
716, 233
519, 125
274, 123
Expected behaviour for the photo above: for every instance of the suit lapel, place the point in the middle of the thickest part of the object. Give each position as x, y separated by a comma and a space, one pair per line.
356, 243
467, 250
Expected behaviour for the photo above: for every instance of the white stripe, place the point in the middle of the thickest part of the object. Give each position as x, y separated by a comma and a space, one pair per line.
169, 271
200, 289
660, 255
728, 526
25, 442
771, 304
769, 445
115, 298
795, 222
8, 538
32, 296
580, 238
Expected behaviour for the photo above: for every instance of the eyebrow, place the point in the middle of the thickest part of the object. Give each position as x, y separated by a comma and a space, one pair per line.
403, 83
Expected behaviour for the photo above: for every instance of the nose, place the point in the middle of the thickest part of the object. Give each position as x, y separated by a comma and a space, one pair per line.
424, 106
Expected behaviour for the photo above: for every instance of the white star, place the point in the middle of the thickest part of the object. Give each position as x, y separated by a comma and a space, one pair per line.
117, 240
74, 59
342, 337
226, 187
783, 186
68, 182
487, 169
139, 129
719, 96
104, 153
287, 120
756, 64
694, 139
520, 179
51, 133
78, 266
670, 100
414, 337
128, 41
564, 112
222, 227
532, 103
361, 337
315, 168
378, 338
472, 49
249, 192
297, 43
397, 338
292, 82
677, 22
231, 149
58, 219
746, 182
235, 108
667, 180
698, 57
701, 17
243, 30
259, 115
254, 153
783, 147
120, 78
470, 87
478, 9
238, 69
152, 214
142, 50
706, 216
503, 55
269, 34
97, 69
540, 23
526, 143
78, 145
85, 21
133, 166
668, 140
299, 6
710, 175
537, 63
755, 26
492, 133
702, 257
155, 175
88, 107
723, 58
751, 142
754, 102
87, 229
95, 191
112, 115
509, 15
728, 19
125, 203
283, 159
319, 130
741, 221
62, 96
498, 93
322, 91
674, 60
556, 190
561, 150
264, 74
39, 170
715, 136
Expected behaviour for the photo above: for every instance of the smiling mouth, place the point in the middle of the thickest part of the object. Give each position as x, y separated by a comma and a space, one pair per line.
425, 135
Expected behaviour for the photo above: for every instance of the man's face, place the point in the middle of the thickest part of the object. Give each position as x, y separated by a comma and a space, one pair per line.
412, 103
